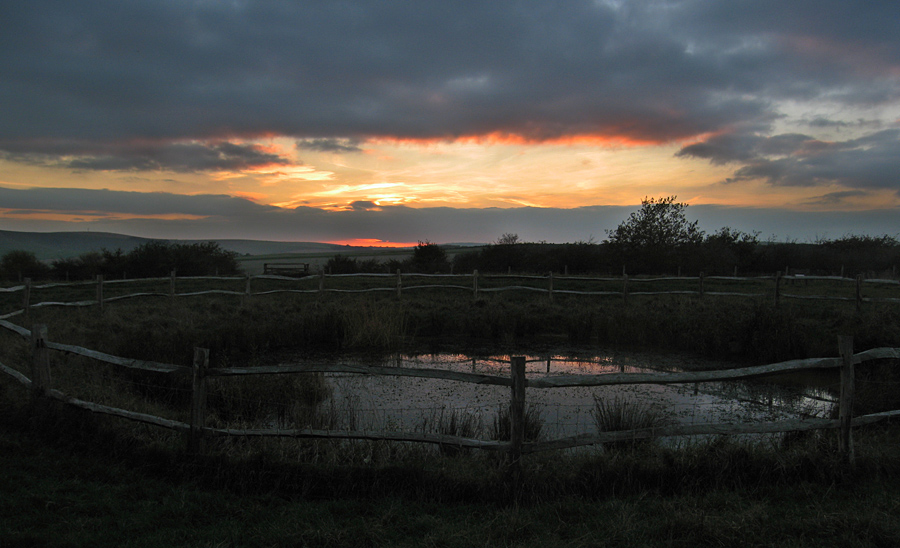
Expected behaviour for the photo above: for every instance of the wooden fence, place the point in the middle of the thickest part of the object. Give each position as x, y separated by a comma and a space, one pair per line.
550, 286
196, 430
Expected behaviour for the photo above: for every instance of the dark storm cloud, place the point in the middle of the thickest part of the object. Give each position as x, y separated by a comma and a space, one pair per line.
868, 162
648, 70
179, 157
86, 201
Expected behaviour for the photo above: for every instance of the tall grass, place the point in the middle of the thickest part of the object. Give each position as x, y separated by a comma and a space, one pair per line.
454, 422
534, 424
621, 413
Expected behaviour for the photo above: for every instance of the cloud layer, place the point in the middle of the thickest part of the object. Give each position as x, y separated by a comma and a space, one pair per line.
800, 93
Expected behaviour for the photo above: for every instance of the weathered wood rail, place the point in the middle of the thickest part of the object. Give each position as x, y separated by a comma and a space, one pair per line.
40, 385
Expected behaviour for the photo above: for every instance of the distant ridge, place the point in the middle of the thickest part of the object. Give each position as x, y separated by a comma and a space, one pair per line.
59, 245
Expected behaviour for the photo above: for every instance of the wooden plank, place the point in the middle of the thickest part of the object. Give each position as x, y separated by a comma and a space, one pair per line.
516, 409
26, 300
116, 360
133, 295
375, 435
848, 383
12, 289
682, 430
474, 378
116, 412
198, 400
70, 303
40, 362
877, 354
12, 314
210, 292
16, 375
17, 329
408, 287
687, 377
274, 291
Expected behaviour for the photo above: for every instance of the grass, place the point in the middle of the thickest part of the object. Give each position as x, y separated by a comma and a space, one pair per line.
533, 423
625, 413
76, 479
67, 483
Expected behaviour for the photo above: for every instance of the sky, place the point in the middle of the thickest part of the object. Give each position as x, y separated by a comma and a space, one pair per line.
390, 122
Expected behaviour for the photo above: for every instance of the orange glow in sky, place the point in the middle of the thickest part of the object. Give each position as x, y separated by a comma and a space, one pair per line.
372, 242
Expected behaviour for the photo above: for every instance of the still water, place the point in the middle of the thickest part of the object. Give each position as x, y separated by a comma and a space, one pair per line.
409, 404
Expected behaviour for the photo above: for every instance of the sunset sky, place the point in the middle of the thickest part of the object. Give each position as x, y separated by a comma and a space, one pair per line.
388, 121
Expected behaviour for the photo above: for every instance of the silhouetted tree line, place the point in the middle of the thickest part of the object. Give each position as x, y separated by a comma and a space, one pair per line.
149, 260
427, 258
657, 239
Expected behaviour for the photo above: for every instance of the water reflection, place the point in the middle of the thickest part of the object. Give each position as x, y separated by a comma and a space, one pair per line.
405, 403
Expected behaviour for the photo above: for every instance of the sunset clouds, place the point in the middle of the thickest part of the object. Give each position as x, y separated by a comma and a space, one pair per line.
365, 106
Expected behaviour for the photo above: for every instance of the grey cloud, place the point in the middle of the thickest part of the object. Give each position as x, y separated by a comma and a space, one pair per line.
649, 70
836, 198
87, 202
330, 145
868, 162
178, 157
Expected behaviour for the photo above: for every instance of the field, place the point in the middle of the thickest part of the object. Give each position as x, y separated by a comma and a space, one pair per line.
104, 481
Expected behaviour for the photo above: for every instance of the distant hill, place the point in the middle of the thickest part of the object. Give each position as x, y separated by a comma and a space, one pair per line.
59, 245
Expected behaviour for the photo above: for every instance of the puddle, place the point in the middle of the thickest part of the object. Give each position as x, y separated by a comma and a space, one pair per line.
407, 404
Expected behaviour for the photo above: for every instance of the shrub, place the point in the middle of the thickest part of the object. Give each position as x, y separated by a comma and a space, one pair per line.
17, 265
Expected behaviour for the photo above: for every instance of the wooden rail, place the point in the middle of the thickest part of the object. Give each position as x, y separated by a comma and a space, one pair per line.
40, 386
476, 287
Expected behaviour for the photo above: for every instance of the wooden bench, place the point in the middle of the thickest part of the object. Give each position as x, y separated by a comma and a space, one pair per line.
296, 270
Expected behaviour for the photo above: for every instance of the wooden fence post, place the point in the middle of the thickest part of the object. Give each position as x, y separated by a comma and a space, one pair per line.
701, 284
26, 300
40, 362
625, 288
247, 292
172, 285
399, 284
848, 383
198, 400
475, 283
777, 288
517, 410
322, 281
550, 289
859, 298
100, 291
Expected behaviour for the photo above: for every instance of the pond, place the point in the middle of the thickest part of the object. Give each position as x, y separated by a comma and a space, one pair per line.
412, 404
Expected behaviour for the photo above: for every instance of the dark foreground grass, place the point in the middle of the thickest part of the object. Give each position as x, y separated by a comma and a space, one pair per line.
65, 493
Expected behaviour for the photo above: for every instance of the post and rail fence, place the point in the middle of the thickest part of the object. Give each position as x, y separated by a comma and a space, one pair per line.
196, 431
552, 287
